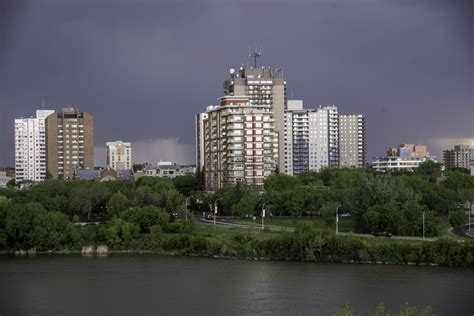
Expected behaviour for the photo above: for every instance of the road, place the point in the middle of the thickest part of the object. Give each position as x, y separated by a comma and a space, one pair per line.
462, 232
229, 223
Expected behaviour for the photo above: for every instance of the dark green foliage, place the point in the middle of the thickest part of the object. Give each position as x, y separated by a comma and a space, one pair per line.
146, 217
117, 203
457, 218
119, 234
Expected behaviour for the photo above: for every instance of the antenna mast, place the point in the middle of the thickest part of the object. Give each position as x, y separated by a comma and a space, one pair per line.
255, 54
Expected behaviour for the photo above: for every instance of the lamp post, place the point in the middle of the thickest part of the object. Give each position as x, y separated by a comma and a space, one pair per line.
337, 219
186, 209
263, 215
423, 225
215, 210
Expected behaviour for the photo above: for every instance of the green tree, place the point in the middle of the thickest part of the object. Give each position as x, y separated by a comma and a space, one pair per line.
186, 185
53, 231
429, 169
457, 218
19, 223
117, 203
119, 234
87, 198
146, 217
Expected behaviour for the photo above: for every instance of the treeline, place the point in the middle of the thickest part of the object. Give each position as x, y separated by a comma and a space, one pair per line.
393, 202
89, 200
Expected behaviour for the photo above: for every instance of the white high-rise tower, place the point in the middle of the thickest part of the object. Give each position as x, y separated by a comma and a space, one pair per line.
30, 147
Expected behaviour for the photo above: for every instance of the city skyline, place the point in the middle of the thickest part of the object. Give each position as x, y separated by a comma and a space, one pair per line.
137, 69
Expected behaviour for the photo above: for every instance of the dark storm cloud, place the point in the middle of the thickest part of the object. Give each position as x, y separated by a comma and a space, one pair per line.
143, 69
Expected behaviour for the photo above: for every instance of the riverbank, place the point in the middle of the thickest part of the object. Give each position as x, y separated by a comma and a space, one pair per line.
307, 246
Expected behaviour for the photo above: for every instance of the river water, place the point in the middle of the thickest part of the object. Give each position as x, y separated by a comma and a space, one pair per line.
161, 285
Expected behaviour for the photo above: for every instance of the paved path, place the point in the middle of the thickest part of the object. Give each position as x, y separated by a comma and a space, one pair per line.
229, 223
463, 232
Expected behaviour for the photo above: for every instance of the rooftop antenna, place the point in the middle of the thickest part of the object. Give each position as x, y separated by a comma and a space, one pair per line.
42, 102
255, 54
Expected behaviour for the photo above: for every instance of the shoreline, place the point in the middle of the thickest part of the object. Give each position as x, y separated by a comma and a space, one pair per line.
26, 254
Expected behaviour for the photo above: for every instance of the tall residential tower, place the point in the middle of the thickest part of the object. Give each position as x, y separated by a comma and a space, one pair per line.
69, 142
264, 86
119, 155
30, 147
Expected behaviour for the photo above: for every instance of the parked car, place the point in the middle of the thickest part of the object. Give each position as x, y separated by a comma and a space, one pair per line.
382, 234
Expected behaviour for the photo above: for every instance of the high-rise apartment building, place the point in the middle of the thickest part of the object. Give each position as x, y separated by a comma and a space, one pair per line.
459, 157
352, 148
200, 117
119, 155
240, 143
69, 142
311, 138
264, 86
30, 147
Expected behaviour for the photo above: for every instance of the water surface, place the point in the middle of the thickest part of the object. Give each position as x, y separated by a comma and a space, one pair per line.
161, 285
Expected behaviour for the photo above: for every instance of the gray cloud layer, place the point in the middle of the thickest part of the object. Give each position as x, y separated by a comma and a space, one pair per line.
144, 68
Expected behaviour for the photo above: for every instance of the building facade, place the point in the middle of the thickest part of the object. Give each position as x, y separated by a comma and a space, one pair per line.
30, 147
200, 117
352, 145
69, 142
311, 138
119, 155
405, 157
240, 143
459, 157
264, 86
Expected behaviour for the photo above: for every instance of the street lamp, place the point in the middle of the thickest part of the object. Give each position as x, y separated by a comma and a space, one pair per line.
337, 219
423, 225
186, 209
263, 215
215, 210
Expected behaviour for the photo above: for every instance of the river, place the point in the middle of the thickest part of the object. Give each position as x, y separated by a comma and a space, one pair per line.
163, 285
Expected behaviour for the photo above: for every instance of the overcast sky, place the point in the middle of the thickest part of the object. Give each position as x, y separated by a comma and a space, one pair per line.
144, 68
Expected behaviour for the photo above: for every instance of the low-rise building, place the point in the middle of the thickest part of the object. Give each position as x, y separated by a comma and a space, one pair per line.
166, 169
4, 179
101, 175
403, 157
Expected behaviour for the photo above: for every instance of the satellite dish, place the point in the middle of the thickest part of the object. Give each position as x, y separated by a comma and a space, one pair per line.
232, 71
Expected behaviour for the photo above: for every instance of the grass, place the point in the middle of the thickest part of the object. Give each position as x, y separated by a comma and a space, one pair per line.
345, 224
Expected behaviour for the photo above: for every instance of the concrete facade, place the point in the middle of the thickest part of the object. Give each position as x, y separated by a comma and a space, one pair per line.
352, 142
459, 157
30, 147
200, 117
405, 157
264, 86
69, 142
240, 143
311, 138
119, 155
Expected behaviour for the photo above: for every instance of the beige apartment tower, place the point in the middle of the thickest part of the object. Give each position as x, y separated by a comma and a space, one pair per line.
264, 86
119, 155
240, 143
69, 142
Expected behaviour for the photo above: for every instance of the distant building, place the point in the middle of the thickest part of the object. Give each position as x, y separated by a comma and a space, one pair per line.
318, 138
4, 179
200, 140
311, 138
106, 174
352, 144
404, 157
264, 86
30, 147
459, 157
119, 155
166, 169
240, 143
69, 142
